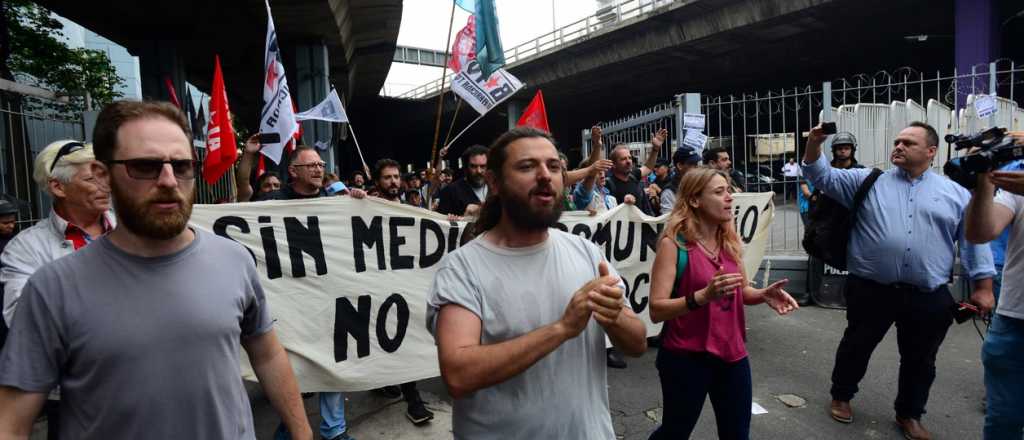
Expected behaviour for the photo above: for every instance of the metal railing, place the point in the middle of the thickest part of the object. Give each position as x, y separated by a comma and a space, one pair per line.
222, 191
762, 130
23, 134
603, 20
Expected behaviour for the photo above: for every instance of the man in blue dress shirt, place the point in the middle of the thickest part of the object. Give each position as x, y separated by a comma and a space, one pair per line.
900, 258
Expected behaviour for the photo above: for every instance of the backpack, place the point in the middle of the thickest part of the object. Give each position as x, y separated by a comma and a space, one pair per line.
829, 225
682, 259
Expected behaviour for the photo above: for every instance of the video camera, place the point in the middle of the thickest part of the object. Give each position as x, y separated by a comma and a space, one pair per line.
996, 149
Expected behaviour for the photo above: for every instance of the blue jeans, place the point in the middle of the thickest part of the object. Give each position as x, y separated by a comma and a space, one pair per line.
1004, 378
687, 379
332, 415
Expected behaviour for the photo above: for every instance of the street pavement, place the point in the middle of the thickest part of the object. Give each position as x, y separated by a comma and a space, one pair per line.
788, 355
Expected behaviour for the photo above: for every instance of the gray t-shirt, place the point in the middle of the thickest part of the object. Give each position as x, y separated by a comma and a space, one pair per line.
141, 347
516, 291
1011, 298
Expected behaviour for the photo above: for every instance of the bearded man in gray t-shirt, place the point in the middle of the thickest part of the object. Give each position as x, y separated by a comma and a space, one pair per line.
142, 329
521, 312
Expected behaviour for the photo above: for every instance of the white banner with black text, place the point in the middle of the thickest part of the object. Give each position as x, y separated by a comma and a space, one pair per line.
346, 280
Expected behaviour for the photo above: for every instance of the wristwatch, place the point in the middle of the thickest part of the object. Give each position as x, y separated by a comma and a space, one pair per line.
691, 302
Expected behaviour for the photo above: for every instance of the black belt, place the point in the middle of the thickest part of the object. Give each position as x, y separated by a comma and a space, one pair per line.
897, 286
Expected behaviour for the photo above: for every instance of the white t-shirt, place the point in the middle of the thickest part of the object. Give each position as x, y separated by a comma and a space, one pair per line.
791, 170
1011, 299
481, 192
515, 291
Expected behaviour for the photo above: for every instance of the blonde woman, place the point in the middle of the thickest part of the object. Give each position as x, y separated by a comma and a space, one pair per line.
703, 352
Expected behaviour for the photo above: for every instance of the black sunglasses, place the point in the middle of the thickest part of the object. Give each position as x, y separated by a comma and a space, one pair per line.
150, 169
65, 150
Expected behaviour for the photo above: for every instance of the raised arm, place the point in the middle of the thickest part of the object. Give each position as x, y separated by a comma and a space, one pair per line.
657, 141
249, 156
840, 185
596, 144
574, 176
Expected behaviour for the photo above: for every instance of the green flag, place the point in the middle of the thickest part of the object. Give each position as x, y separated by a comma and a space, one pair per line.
489, 53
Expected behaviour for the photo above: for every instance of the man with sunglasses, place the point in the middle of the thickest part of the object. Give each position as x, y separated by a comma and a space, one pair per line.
79, 214
306, 174
154, 307
306, 178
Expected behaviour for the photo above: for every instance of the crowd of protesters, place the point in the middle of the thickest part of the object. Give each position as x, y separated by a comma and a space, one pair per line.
548, 380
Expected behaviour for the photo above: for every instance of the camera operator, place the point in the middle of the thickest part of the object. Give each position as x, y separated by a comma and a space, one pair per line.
900, 256
988, 214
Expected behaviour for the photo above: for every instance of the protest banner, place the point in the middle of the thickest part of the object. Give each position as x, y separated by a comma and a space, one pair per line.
346, 280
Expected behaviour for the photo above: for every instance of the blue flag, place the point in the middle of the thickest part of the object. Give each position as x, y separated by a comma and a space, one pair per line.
468, 5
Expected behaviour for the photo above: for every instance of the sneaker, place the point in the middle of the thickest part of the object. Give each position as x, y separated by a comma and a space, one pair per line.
343, 436
417, 413
390, 391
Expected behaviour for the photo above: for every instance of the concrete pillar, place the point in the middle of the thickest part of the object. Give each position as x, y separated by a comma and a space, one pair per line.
515, 110
977, 44
310, 85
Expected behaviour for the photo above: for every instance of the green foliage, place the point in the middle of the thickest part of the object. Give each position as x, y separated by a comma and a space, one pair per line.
40, 57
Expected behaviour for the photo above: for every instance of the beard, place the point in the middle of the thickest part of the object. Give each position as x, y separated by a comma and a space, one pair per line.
135, 214
530, 218
476, 180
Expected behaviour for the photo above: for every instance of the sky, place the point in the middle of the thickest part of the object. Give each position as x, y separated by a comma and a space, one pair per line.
425, 25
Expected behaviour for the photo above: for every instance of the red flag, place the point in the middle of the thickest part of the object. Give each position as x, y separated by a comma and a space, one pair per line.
464, 48
535, 115
171, 92
261, 167
297, 137
220, 136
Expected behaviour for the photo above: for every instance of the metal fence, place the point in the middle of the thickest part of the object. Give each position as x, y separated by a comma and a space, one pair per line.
762, 130
221, 191
24, 133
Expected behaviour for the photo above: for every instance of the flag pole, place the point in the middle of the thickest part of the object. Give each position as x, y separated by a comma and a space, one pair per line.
358, 149
440, 93
464, 130
458, 105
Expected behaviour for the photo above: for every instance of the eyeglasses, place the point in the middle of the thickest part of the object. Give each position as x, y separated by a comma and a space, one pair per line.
311, 165
65, 150
150, 169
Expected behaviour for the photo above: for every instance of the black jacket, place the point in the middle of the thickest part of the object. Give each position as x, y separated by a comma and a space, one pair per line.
454, 198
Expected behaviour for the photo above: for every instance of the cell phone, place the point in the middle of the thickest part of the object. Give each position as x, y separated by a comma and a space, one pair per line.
828, 127
963, 311
270, 138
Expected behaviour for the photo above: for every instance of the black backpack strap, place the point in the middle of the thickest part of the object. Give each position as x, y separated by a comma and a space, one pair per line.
863, 189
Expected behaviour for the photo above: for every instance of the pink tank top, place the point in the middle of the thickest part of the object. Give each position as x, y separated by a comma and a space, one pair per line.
719, 327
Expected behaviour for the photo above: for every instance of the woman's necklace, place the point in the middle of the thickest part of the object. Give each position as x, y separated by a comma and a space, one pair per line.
713, 255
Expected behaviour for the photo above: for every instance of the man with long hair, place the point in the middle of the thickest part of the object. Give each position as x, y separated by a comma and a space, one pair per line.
521, 312
703, 350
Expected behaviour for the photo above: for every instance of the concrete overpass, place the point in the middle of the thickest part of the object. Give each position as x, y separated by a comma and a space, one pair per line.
348, 43
708, 46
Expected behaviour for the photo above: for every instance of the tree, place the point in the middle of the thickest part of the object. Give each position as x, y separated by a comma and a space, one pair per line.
38, 56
